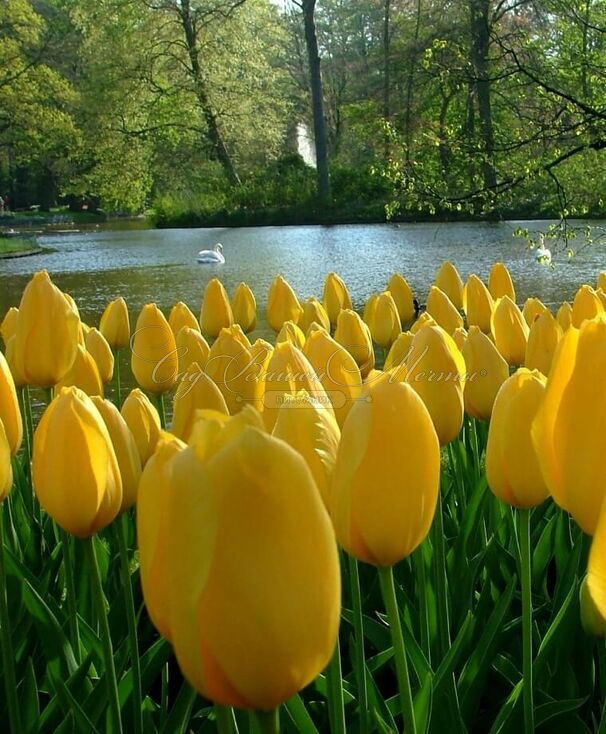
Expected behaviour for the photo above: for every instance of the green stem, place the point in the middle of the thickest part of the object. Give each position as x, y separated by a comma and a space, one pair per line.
226, 720
334, 685
120, 527
418, 562
441, 581
525, 573
117, 376
268, 721
389, 598
159, 400
70, 588
27, 444
8, 658
359, 662
108, 653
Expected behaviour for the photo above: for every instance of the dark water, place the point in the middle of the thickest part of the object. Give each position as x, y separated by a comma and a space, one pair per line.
160, 265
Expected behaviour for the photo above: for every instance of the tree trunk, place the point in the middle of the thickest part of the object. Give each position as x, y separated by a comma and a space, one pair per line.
317, 100
480, 42
410, 83
219, 149
387, 73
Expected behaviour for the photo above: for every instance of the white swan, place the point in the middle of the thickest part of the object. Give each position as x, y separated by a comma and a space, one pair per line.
212, 256
543, 255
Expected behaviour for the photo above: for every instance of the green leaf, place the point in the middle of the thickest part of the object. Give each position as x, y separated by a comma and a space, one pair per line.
422, 705
30, 704
551, 709
299, 715
181, 711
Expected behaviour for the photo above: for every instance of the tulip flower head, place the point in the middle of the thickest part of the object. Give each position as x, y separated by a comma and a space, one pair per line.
10, 413
509, 331
6, 469
144, 422
486, 372
313, 312
244, 308
543, 339
533, 307
586, 305
404, 298
282, 304
449, 282
154, 360
115, 324
336, 297
443, 311
216, 313
564, 316
477, 303
180, 316
8, 327
500, 283
353, 334
99, 349
384, 320
196, 391
191, 347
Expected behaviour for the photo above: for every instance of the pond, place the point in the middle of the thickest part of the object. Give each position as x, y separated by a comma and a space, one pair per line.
160, 265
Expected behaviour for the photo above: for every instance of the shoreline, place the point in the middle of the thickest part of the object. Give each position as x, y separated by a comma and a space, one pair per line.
23, 253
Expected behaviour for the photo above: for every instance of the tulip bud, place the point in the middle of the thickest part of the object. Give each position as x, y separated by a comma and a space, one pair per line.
191, 347
543, 338
74, 467
568, 432
459, 337
500, 283
512, 466
369, 309
125, 448
154, 359
564, 316
227, 508
97, 346
244, 308
282, 304
336, 297
18, 378
10, 414
386, 478
8, 327
144, 422
115, 324
47, 333
509, 331
477, 304
424, 319
310, 429
237, 368
592, 621
399, 354
384, 321
486, 372
586, 305
153, 539
436, 373
6, 469
403, 297
449, 282
288, 372
533, 308
290, 332
313, 311
180, 315
353, 334
83, 374
216, 313
337, 371
602, 296
443, 311
213, 431
196, 391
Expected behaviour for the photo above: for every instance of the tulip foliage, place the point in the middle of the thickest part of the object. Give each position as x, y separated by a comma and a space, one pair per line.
380, 522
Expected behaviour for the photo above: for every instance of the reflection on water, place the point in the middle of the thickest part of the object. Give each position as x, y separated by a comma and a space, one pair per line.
160, 265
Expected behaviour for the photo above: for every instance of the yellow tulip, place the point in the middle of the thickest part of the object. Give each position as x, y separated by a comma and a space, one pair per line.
602, 296
115, 324
592, 620
510, 331
500, 283
191, 347
125, 447
10, 414
386, 478
353, 334
47, 333
180, 315
400, 353
443, 311
424, 319
586, 305
459, 336
403, 296
244, 308
255, 501
369, 309
336, 297
486, 372
512, 464
154, 360
436, 373
237, 368
288, 372
99, 349
196, 391
310, 429
18, 378
213, 431
337, 371
564, 316
568, 430
74, 467
152, 531
290, 332
449, 281
533, 308
216, 313
6, 468
384, 321
544, 337
314, 312
84, 374
282, 304
477, 303
144, 422
8, 327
